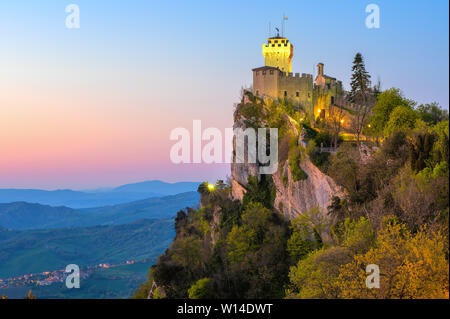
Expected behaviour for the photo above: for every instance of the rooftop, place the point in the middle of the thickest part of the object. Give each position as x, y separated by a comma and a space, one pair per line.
266, 68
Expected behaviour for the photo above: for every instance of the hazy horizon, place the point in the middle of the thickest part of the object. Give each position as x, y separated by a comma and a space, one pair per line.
103, 187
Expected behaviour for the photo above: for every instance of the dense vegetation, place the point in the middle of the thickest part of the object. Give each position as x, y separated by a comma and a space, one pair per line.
395, 213
239, 248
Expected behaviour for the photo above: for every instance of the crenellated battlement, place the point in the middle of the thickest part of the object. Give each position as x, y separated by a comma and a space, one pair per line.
296, 75
275, 80
278, 52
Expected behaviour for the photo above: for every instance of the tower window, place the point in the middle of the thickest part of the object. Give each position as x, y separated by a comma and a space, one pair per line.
271, 71
264, 72
297, 94
285, 93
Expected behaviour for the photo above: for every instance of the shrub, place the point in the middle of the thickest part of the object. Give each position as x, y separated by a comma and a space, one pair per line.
319, 159
262, 191
294, 164
324, 138
201, 289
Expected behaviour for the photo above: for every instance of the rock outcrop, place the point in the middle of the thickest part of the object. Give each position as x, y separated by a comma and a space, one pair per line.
292, 197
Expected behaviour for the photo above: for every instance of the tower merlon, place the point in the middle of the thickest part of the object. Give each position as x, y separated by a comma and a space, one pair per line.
278, 52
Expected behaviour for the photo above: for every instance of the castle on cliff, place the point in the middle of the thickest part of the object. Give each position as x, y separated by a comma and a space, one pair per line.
276, 80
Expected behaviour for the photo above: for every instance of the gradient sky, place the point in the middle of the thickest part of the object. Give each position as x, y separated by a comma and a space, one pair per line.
95, 106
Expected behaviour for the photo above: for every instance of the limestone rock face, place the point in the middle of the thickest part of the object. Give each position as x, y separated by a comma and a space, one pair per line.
292, 198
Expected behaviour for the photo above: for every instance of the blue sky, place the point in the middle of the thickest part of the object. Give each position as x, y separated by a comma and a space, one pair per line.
137, 69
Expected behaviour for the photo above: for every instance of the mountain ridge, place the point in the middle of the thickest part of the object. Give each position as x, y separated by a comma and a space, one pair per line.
95, 198
23, 215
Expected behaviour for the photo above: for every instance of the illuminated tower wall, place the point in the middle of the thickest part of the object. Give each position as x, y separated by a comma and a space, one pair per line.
278, 52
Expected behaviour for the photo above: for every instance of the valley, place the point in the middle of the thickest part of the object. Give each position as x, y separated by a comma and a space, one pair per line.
114, 245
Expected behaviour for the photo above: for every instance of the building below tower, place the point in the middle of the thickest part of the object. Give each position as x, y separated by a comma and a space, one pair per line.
315, 98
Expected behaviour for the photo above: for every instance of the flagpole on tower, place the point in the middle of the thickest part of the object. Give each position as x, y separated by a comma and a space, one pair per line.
283, 24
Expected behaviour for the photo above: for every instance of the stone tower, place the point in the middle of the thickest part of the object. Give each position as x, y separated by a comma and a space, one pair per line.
278, 52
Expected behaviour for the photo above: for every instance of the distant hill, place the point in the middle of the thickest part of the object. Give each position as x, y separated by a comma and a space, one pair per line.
158, 187
160, 207
21, 215
32, 251
69, 198
95, 198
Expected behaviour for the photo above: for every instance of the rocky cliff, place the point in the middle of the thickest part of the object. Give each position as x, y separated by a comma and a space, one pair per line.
292, 197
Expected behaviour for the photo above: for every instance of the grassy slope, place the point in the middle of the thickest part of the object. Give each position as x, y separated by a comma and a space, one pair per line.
35, 251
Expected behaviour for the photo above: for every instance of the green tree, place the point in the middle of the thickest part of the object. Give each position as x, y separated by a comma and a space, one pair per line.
360, 81
260, 191
401, 118
304, 238
432, 113
441, 146
361, 95
316, 275
357, 235
386, 103
201, 289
